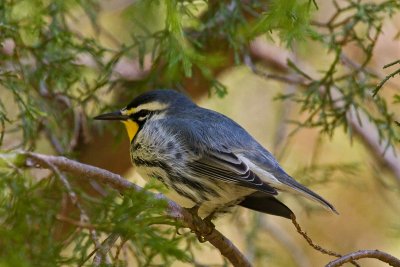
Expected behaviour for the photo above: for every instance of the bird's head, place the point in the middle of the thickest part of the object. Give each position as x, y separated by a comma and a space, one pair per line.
145, 106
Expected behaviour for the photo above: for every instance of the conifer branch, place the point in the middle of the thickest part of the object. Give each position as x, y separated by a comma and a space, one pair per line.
359, 123
35, 160
84, 218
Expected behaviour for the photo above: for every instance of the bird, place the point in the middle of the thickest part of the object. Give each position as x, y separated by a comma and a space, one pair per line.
207, 162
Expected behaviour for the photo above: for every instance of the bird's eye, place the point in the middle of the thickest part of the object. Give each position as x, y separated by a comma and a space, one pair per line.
142, 115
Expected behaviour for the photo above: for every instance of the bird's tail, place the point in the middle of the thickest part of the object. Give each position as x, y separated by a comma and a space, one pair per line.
304, 191
262, 202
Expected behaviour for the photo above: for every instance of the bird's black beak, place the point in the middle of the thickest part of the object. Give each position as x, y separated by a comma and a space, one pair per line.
112, 116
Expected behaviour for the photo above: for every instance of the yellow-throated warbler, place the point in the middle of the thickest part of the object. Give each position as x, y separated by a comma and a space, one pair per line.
205, 159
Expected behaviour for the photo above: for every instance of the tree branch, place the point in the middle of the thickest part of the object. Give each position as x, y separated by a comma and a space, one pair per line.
84, 171
376, 254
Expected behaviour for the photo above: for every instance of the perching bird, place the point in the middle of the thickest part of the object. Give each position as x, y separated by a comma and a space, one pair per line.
206, 160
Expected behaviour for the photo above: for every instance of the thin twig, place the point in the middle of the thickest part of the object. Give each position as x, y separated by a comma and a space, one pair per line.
80, 224
391, 64
375, 254
53, 140
315, 246
379, 86
282, 78
104, 249
119, 248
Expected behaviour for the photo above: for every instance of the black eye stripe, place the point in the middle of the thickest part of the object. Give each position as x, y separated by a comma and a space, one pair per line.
141, 115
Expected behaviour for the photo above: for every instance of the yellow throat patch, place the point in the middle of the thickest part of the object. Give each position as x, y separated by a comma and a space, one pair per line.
132, 128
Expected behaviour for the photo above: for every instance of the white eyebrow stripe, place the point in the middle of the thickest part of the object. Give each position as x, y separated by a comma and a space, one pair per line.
152, 106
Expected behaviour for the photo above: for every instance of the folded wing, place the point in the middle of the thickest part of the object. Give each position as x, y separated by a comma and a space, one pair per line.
227, 167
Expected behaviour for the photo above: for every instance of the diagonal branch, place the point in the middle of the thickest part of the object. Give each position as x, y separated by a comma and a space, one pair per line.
84, 171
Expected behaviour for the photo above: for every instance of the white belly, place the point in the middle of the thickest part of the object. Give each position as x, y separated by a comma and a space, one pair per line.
228, 193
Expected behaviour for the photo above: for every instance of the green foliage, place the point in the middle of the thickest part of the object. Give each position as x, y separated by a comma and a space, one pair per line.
346, 87
290, 18
41, 70
31, 211
137, 218
28, 218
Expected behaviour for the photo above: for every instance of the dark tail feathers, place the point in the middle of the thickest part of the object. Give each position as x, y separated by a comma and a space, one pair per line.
267, 204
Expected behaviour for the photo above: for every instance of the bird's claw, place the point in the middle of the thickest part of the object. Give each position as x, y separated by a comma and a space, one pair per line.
201, 232
209, 225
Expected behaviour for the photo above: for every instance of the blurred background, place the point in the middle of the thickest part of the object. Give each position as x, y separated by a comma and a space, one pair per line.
305, 78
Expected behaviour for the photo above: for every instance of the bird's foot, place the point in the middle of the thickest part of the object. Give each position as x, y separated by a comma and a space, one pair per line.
209, 225
203, 228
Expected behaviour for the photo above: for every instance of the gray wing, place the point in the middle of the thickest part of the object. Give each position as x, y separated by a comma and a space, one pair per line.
227, 167
213, 138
